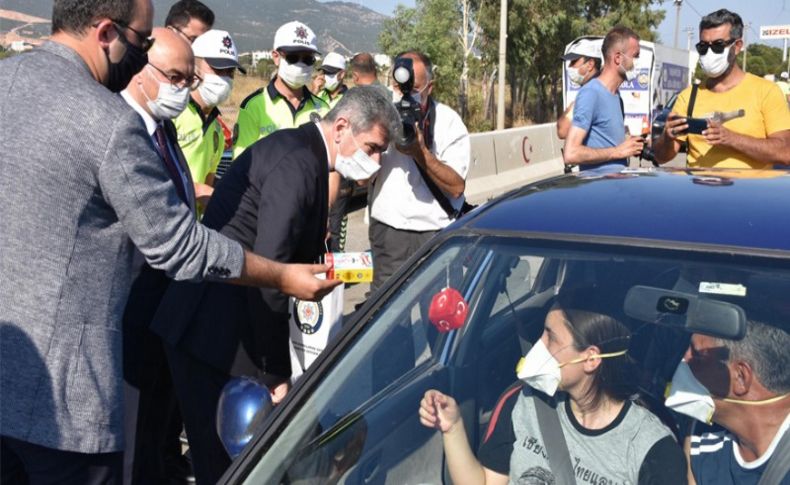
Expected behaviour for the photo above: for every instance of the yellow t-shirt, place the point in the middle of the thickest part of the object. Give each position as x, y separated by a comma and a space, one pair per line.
766, 113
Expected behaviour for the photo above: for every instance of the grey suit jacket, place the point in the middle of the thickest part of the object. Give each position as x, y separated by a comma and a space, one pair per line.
81, 184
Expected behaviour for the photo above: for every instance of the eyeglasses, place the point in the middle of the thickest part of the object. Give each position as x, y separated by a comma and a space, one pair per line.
717, 46
179, 80
190, 38
294, 57
145, 41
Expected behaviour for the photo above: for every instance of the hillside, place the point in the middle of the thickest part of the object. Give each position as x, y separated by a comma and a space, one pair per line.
342, 26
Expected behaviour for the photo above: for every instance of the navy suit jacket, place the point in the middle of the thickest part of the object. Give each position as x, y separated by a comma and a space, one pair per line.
273, 200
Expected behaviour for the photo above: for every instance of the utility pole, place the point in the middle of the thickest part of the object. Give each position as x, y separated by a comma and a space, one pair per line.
690, 33
678, 3
746, 43
500, 112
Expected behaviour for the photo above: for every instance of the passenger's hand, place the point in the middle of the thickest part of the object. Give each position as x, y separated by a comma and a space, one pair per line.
439, 411
675, 126
299, 280
631, 147
716, 134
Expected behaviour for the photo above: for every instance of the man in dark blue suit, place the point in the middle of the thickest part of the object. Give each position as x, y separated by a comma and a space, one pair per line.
273, 200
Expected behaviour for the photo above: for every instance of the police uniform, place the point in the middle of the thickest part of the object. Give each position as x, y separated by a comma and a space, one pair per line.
332, 102
201, 139
266, 111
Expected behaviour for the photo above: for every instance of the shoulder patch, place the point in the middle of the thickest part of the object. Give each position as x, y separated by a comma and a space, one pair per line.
249, 98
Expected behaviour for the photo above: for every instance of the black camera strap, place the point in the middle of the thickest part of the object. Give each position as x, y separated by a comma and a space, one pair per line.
428, 123
692, 100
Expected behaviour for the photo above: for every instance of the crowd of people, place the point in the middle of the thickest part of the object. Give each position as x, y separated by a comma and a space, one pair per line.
122, 253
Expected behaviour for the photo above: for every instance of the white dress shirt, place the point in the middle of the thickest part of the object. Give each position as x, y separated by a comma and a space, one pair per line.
400, 197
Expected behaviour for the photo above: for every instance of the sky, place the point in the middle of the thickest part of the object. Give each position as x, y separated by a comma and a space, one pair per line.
760, 12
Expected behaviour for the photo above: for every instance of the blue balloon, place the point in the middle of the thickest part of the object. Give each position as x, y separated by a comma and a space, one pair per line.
243, 405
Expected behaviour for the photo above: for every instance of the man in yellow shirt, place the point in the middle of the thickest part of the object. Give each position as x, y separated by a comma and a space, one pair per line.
760, 139
200, 135
286, 102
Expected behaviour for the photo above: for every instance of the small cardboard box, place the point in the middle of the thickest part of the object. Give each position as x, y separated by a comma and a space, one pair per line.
350, 267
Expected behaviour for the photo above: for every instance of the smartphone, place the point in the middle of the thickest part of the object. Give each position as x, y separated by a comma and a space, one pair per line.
697, 125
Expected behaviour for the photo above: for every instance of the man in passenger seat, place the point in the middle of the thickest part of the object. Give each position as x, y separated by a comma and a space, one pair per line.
743, 386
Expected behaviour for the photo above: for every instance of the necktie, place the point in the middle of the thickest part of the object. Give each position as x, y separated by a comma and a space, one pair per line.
170, 164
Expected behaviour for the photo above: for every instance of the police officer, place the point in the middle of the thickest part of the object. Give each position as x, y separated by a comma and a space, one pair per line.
334, 73
286, 102
200, 134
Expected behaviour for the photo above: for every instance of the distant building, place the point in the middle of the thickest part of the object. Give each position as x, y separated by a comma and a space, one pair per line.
259, 56
20, 46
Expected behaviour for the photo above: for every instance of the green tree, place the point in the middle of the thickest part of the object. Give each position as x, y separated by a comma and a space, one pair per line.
762, 59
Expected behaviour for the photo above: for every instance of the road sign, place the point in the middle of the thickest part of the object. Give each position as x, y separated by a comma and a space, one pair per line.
775, 32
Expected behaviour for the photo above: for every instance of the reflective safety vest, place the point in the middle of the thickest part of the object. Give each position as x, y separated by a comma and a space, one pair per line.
324, 95
266, 111
201, 139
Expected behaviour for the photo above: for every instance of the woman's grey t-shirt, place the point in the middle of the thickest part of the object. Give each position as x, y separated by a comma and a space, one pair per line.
635, 448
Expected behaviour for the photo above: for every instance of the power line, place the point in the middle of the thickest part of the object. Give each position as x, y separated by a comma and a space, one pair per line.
694, 9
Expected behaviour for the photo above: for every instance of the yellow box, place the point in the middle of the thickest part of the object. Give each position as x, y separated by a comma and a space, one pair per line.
350, 267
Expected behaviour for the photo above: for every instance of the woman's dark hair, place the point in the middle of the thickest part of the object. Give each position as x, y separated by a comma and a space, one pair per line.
75, 16
616, 377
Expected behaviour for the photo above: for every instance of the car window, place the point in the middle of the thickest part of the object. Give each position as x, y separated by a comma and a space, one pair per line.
360, 424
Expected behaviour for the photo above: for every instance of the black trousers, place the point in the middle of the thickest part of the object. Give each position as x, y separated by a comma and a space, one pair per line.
391, 248
26, 463
198, 387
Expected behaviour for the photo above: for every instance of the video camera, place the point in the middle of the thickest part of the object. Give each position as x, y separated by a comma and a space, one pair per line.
408, 108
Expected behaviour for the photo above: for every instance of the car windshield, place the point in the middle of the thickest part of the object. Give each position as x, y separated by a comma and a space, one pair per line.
359, 424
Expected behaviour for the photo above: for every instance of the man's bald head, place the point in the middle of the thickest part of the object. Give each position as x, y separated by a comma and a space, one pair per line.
170, 50
170, 61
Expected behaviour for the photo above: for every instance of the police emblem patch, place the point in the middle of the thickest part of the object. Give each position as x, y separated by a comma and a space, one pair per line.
301, 32
308, 316
227, 42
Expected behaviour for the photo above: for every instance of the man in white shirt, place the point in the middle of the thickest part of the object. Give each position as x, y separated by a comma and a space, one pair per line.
404, 213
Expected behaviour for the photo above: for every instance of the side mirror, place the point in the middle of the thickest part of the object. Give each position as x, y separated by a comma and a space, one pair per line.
692, 313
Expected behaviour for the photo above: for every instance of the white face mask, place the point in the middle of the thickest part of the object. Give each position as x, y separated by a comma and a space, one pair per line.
170, 101
541, 370
331, 82
215, 89
714, 65
575, 76
294, 75
689, 396
359, 166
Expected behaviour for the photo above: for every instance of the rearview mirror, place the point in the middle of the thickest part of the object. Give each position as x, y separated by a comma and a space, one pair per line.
685, 311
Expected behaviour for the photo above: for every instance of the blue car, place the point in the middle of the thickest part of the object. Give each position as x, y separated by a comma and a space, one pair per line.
638, 238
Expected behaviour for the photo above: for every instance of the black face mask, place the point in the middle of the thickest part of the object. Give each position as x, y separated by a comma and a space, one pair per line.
133, 60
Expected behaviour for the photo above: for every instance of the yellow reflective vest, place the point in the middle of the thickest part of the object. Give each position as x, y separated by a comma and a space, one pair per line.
324, 95
201, 139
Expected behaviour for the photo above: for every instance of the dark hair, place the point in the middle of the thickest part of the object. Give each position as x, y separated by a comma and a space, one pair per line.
183, 10
721, 17
615, 38
616, 377
596, 62
422, 58
363, 63
77, 15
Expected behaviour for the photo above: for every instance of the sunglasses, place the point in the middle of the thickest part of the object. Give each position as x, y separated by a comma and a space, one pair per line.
145, 41
294, 57
717, 46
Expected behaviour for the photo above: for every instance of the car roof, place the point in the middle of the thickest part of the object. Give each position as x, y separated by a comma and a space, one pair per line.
728, 208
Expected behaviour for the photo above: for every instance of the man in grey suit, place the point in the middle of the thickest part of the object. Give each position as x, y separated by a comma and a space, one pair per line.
84, 186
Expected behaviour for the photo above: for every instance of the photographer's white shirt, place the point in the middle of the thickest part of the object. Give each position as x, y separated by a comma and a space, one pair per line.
400, 198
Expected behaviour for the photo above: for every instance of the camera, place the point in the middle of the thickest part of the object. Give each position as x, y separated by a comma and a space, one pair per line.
408, 108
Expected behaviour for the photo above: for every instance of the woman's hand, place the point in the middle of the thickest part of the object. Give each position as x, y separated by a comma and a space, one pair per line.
439, 411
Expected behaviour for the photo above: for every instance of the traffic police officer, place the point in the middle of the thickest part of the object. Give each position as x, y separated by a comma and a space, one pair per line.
334, 71
200, 134
285, 102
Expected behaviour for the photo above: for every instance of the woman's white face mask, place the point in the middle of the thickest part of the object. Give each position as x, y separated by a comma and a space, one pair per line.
541, 370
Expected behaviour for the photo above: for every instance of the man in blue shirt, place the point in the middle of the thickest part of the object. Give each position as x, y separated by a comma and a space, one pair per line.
597, 135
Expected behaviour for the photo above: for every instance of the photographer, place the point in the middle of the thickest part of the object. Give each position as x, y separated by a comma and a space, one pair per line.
404, 208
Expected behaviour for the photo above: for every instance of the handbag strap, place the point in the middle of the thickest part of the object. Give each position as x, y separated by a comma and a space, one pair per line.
779, 464
554, 440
